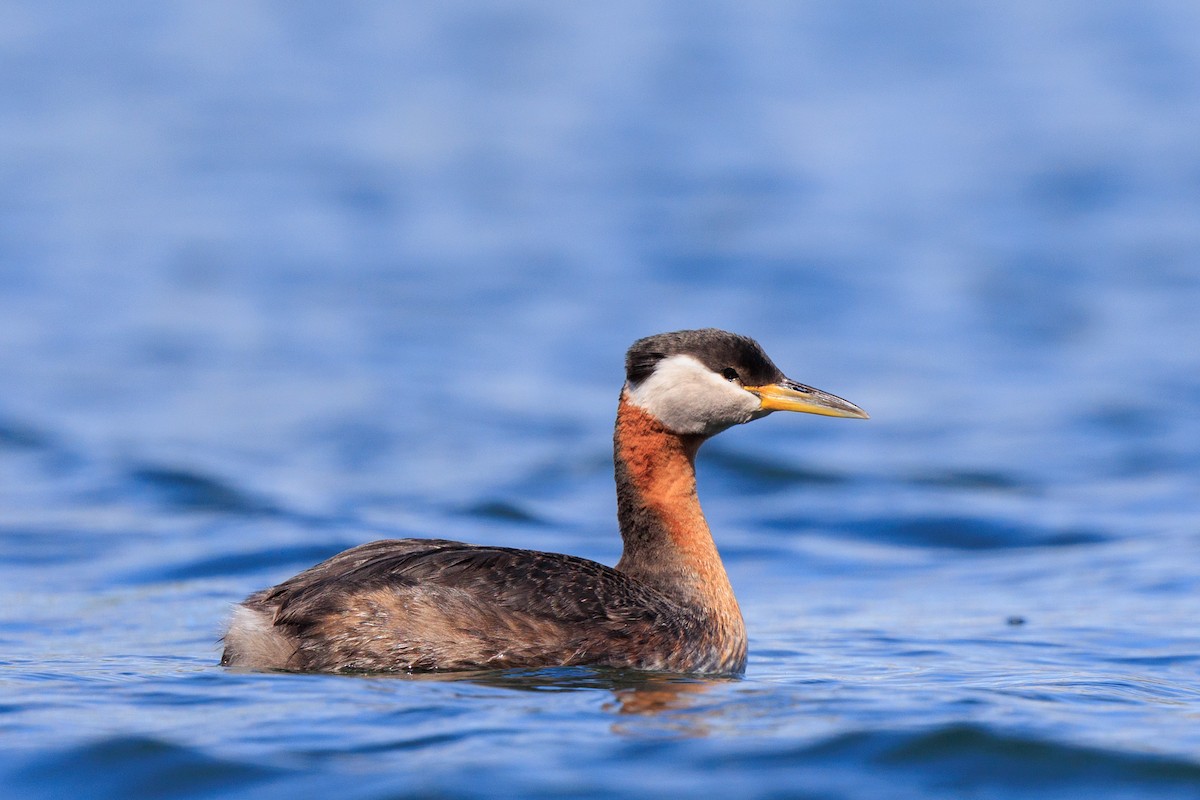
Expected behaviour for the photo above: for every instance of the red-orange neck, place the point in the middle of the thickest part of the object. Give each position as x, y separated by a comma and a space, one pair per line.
667, 541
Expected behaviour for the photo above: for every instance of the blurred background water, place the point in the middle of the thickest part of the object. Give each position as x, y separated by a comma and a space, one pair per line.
280, 278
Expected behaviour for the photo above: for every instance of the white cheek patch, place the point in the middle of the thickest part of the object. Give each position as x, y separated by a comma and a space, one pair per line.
688, 397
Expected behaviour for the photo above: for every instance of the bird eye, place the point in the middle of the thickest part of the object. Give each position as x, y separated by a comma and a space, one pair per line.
730, 374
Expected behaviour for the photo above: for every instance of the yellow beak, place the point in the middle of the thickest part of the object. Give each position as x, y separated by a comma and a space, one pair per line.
787, 395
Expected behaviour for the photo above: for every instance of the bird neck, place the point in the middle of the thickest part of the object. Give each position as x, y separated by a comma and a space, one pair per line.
667, 541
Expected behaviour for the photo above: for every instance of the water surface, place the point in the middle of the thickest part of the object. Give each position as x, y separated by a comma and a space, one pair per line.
277, 281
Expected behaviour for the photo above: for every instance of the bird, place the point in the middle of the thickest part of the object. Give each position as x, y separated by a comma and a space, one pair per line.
418, 605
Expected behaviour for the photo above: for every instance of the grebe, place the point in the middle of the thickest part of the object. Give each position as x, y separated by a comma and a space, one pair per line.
431, 604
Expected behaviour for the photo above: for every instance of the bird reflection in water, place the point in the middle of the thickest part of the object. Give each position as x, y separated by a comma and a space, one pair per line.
667, 702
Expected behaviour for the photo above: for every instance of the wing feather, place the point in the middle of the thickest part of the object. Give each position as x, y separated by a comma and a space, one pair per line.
422, 603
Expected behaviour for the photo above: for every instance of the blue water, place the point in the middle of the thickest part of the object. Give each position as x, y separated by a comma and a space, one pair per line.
277, 279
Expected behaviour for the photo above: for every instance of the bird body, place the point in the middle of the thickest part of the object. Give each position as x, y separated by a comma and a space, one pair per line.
433, 604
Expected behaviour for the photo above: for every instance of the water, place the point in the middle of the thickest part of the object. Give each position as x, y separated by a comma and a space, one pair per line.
276, 280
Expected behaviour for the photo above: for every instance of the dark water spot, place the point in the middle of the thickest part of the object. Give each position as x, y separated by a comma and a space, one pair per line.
130, 768
1078, 189
165, 348
964, 758
19, 436
966, 533
404, 743
1159, 660
968, 761
740, 552
1128, 420
981, 480
753, 473
503, 511
968, 755
183, 489
276, 558
368, 198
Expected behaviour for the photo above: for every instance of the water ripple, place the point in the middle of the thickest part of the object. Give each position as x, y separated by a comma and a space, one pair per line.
19, 436
183, 489
967, 533
131, 768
